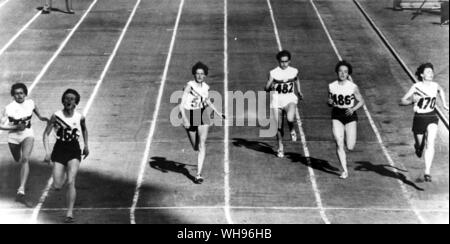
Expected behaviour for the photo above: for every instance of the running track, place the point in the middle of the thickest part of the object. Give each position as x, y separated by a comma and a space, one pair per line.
140, 168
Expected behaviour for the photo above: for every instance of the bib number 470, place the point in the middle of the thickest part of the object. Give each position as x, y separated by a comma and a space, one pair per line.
427, 102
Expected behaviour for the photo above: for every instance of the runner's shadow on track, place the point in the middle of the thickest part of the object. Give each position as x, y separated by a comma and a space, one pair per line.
165, 166
103, 196
424, 10
385, 171
314, 163
254, 145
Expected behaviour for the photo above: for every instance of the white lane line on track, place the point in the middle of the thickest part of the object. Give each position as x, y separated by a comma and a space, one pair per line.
312, 176
148, 144
344, 209
226, 157
3, 3
374, 128
60, 48
44, 195
13, 39
280, 208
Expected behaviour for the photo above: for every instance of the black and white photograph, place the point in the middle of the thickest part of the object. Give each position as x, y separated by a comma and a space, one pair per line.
224, 118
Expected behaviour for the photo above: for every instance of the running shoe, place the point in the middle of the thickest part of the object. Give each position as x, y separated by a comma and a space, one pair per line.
293, 136
419, 151
344, 175
20, 198
69, 220
280, 153
198, 180
46, 9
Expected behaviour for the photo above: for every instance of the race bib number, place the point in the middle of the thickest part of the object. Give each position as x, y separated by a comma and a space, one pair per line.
197, 102
342, 100
427, 103
284, 88
67, 134
25, 121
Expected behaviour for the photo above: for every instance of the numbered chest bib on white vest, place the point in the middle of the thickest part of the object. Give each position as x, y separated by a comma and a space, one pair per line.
20, 113
197, 95
425, 94
283, 80
343, 94
67, 129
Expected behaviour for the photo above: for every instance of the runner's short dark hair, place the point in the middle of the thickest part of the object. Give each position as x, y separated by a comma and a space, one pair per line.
19, 86
74, 92
422, 68
344, 63
200, 65
283, 53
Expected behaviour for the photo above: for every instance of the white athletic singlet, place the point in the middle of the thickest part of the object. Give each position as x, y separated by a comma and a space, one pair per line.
426, 94
283, 80
283, 87
20, 113
67, 129
197, 95
343, 94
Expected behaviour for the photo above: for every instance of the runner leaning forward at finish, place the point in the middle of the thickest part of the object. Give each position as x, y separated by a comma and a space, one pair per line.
17, 115
282, 82
423, 96
196, 111
345, 98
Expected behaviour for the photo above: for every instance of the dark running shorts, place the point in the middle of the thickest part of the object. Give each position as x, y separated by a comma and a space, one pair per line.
421, 121
198, 117
63, 152
339, 114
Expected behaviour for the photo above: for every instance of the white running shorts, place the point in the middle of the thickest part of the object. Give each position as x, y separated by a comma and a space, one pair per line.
282, 100
18, 137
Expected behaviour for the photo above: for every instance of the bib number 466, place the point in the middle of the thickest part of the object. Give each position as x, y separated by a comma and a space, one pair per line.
67, 134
